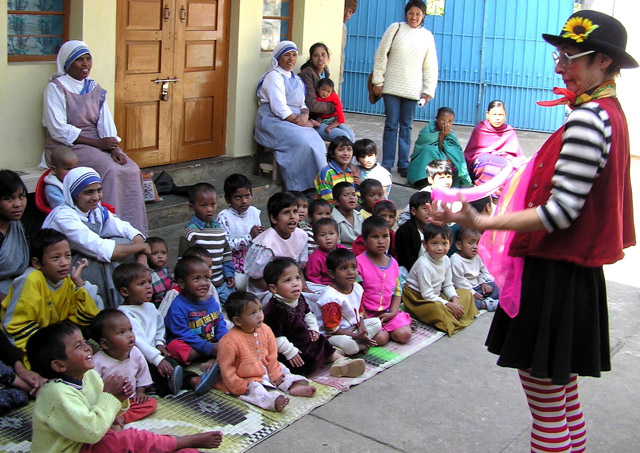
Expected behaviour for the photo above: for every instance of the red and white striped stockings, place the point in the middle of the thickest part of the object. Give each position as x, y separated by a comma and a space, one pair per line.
558, 423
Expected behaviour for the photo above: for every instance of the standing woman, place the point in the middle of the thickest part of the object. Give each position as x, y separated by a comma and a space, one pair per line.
493, 144
282, 121
571, 212
405, 70
311, 72
76, 115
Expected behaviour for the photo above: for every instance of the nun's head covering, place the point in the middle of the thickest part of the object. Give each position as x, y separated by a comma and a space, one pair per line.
75, 182
69, 52
282, 48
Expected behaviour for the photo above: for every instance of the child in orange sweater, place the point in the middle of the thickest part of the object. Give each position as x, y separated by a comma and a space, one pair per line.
249, 371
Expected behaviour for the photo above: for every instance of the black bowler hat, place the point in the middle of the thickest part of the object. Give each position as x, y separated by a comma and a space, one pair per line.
593, 30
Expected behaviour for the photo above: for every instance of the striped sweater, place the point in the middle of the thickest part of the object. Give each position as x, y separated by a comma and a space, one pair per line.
212, 237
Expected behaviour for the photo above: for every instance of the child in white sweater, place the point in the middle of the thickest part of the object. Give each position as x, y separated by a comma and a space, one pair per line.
468, 270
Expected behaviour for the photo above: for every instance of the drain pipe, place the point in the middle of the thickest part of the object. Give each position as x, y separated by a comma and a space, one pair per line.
479, 111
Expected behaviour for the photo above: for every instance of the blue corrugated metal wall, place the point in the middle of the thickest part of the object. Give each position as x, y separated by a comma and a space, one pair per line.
487, 49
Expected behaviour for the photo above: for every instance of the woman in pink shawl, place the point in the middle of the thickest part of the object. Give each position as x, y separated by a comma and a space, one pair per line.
493, 145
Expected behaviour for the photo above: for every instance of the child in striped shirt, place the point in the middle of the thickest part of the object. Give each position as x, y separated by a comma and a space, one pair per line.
340, 168
203, 230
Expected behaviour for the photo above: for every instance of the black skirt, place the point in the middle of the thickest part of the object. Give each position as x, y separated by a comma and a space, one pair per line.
562, 326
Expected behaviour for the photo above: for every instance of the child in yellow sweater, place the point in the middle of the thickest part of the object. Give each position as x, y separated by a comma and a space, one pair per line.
76, 411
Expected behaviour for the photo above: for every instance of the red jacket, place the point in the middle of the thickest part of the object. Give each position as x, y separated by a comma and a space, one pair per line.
337, 103
605, 224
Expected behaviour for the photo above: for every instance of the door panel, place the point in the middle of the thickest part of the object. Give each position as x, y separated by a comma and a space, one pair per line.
201, 65
144, 53
171, 39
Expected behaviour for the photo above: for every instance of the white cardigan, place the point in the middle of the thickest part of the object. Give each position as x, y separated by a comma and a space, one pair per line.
411, 68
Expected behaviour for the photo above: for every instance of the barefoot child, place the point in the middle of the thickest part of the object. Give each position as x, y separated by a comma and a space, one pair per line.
63, 159
194, 322
349, 220
380, 279
469, 272
112, 331
50, 291
241, 220
133, 280
325, 232
161, 275
296, 327
248, 359
77, 411
339, 169
339, 315
429, 294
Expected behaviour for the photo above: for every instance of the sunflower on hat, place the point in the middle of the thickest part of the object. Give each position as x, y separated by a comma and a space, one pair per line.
578, 28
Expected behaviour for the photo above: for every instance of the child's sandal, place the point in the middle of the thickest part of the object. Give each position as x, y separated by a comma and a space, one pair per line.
346, 367
207, 379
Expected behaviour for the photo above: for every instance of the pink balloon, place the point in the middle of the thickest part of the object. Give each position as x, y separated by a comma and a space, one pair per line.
476, 192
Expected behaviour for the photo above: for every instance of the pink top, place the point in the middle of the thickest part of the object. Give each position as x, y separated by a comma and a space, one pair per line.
380, 284
135, 368
317, 271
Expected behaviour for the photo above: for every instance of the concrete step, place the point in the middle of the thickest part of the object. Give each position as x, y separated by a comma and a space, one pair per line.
174, 209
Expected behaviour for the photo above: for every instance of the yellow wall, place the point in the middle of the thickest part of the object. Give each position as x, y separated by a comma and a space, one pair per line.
22, 134
94, 21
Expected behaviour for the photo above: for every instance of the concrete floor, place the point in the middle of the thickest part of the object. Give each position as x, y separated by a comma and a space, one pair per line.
451, 396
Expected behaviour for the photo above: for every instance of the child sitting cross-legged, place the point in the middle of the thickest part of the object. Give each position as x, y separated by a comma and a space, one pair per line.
63, 159
338, 309
380, 279
340, 169
296, 327
133, 280
469, 272
161, 275
112, 331
194, 322
204, 230
318, 209
325, 232
344, 212
248, 359
371, 191
50, 291
76, 411
284, 238
429, 294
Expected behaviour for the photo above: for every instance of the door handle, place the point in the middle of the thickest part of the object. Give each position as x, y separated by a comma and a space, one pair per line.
167, 12
183, 13
164, 94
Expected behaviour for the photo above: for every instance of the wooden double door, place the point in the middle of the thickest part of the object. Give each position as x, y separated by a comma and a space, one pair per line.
171, 79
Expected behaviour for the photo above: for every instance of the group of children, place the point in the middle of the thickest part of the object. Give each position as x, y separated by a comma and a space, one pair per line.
331, 274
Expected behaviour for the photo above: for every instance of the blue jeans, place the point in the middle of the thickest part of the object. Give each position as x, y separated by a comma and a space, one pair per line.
399, 115
341, 130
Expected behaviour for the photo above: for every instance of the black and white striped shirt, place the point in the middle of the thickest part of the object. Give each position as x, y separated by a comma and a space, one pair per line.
586, 141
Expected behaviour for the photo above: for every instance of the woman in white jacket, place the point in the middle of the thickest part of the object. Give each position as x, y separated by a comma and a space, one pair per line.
405, 70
